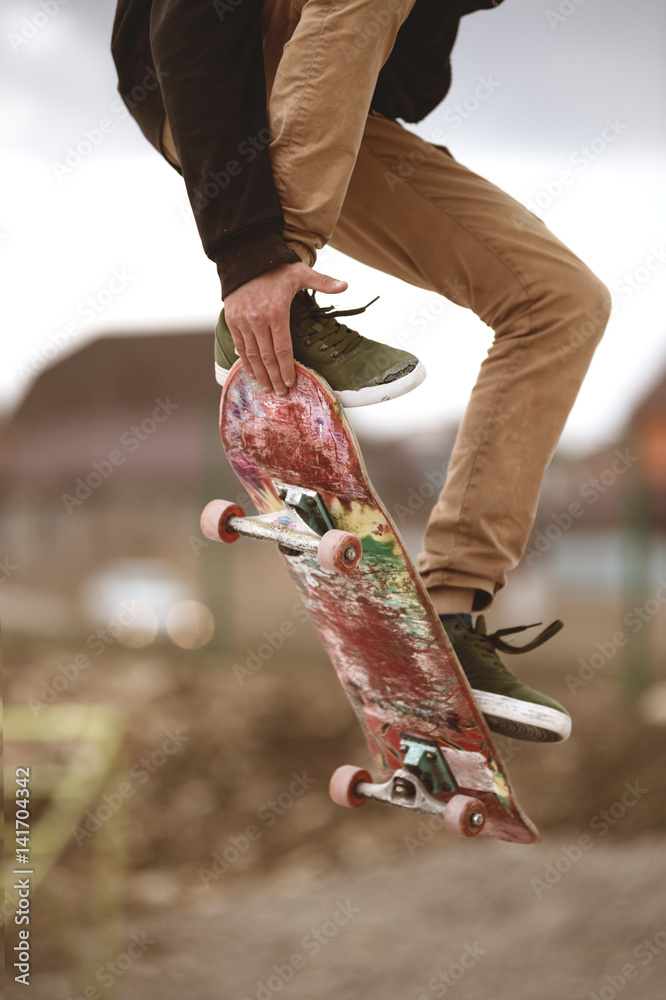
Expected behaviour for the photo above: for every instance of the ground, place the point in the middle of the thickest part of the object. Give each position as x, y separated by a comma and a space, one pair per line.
239, 878
481, 914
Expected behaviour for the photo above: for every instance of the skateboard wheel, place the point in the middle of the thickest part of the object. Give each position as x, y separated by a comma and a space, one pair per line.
214, 518
343, 783
339, 551
465, 816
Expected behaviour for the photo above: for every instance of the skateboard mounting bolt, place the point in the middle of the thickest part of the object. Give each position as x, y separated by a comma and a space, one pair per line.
311, 502
430, 755
403, 748
402, 787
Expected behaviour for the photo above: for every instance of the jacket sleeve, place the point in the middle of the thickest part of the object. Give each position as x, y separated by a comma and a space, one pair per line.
207, 59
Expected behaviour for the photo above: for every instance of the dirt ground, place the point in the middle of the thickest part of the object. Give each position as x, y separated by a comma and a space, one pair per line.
458, 919
477, 921
240, 880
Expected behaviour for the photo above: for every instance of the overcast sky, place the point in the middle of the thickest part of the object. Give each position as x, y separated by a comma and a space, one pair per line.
559, 71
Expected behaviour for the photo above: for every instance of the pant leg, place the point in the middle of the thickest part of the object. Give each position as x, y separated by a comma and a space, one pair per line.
322, 59
412, 211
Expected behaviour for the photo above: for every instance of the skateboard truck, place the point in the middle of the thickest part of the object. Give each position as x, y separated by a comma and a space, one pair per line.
307, 504
337, 551
424, 774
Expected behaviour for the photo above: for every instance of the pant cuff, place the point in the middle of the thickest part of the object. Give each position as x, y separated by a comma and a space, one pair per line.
307, 255
484, 590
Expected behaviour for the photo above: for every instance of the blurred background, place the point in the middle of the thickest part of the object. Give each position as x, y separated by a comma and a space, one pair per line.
175, 709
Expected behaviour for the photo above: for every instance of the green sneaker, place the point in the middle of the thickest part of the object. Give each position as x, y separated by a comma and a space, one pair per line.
509, 706
359, 371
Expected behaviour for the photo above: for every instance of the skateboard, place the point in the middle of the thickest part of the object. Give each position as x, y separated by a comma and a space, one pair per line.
298, 459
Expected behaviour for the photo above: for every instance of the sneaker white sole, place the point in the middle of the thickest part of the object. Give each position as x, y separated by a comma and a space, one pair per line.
369, 394
523, 720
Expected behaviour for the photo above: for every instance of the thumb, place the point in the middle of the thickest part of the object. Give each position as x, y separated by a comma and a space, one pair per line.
324, 283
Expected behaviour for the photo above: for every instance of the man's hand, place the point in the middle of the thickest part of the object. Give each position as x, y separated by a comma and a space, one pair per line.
257, 315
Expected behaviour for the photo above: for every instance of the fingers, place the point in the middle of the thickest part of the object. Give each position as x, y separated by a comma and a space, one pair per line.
324, 283
283, 349
250, 356
258, 314
264, 347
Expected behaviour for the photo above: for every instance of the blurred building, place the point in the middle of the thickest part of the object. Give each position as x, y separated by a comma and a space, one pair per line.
114, 450
108, 457
105, 467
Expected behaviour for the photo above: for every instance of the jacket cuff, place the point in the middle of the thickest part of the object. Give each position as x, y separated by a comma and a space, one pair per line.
248, 254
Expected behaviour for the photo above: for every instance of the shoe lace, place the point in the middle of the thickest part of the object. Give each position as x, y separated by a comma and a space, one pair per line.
489, 645
319, 324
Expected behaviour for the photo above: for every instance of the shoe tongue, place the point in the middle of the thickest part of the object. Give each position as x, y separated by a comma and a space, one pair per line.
481, 625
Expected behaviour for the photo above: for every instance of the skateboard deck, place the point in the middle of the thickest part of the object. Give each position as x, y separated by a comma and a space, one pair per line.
376, 622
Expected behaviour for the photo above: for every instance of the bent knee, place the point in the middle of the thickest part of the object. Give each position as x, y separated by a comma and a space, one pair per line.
584, 305
584, 308
596, 298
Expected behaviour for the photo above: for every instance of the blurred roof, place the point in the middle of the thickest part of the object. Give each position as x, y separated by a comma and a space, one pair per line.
115, 395
123, 370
